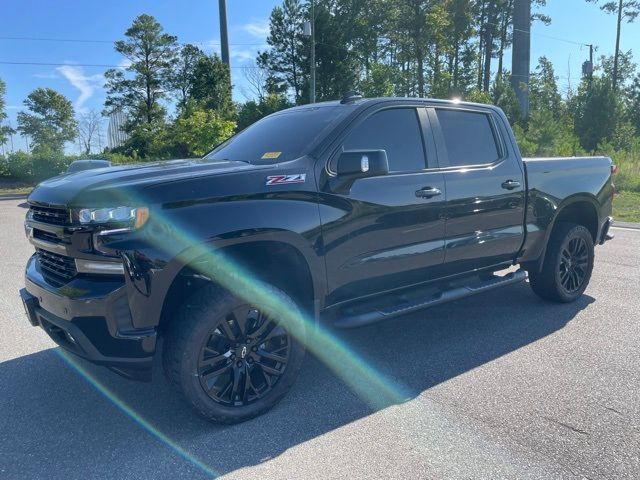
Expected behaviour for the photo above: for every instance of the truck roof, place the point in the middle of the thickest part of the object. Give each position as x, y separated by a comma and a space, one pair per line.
361, 102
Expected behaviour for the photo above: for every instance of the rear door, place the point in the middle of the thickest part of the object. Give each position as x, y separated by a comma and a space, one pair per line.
485, 188
386, 232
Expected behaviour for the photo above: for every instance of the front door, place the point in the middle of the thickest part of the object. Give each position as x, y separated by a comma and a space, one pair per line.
386, 232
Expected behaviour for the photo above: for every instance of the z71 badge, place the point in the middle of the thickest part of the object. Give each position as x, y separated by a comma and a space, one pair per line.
285, 179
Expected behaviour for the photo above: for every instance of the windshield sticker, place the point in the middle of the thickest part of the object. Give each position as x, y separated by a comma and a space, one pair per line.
271, 155
285, 179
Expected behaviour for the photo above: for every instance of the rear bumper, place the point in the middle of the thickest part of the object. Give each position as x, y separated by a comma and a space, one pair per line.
604, 232
90, 317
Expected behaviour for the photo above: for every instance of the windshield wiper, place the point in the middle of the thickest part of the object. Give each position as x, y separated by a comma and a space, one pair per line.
226, 160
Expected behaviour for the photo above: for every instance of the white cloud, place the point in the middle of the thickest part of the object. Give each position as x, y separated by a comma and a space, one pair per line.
259, 29
48, 76
124, 63
86, 84
244, 55
212, 46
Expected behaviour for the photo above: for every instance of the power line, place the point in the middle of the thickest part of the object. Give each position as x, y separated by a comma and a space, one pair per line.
536, 34
101, 65
110, 42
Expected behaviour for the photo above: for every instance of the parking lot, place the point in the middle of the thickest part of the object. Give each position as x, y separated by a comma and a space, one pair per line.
502, 385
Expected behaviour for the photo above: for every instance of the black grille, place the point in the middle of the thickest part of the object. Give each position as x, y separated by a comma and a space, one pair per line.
48, 236
60, 267
56, 216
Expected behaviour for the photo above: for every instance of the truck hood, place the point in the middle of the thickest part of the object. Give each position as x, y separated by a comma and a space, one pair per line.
103, 186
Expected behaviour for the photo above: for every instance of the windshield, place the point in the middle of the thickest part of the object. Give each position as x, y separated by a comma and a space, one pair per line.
280, 137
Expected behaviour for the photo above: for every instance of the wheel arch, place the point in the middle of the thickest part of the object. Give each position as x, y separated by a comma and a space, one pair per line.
272, 259
579, 209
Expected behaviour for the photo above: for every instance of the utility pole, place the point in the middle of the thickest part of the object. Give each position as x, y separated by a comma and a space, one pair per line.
521, 53
591, 65
313, 53
224, 36
310, 31
617, 54
587, 67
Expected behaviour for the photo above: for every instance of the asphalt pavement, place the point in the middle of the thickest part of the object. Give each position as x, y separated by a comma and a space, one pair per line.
502, 385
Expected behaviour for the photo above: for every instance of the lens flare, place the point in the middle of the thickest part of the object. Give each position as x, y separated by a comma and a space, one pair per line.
368, 383
133, 415
374, 388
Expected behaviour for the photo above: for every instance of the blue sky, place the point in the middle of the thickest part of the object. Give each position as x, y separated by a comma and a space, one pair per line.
196, 21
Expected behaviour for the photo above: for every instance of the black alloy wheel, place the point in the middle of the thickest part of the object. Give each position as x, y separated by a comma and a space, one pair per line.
574, 264
243, 357
567, 265
229, 359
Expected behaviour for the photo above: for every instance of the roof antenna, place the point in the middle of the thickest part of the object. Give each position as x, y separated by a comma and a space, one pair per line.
350, 97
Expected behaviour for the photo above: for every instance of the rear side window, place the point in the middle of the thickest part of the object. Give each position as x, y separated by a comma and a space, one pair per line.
398, 132
469, 137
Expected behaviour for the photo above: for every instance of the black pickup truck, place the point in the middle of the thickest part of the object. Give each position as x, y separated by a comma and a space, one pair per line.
347, 212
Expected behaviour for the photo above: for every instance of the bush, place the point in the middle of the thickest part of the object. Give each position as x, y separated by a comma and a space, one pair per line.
33, 168
628, 163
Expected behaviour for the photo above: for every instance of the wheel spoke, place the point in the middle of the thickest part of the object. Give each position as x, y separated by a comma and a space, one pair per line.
248, 384
240, 315
272, 356
574, 280
211, 361
268, 369
227, 331
226, 389
278, 331
217, 372
236, 383
266, 327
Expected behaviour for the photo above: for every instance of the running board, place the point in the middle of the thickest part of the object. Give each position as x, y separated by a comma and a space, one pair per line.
445, 296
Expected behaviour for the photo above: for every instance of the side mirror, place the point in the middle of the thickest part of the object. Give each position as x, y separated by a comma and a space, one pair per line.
355, 164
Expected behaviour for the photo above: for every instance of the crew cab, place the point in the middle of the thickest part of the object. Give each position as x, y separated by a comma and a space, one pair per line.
347, 213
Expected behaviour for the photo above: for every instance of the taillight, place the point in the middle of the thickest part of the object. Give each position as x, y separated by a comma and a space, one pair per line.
614, 170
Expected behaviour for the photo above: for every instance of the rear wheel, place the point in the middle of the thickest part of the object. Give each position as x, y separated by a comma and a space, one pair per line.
567, 265
229, 358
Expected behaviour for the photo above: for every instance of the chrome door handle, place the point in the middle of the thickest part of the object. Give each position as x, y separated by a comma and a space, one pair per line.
510, 184
428, 192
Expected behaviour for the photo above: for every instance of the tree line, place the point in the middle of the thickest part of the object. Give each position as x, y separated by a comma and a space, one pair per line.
177, 99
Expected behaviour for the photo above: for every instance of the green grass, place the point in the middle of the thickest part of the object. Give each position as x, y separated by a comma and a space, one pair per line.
15, 191
626, 207
14, 187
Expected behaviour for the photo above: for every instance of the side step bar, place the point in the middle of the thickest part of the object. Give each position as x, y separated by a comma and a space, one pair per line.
457, 293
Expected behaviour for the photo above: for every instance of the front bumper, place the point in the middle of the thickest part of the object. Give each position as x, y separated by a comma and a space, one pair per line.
90, 317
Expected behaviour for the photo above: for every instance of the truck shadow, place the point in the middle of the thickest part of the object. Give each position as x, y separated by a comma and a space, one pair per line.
54, 424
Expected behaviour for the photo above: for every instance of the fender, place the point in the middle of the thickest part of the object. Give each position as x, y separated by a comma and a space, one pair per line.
549, 222
177, 237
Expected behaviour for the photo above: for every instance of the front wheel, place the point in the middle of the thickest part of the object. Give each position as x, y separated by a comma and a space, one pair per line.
229, 358
567, 266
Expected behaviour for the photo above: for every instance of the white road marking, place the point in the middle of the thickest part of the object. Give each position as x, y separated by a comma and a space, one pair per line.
626, 228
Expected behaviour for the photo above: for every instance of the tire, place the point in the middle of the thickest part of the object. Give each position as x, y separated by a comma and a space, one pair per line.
203, 356
567, 266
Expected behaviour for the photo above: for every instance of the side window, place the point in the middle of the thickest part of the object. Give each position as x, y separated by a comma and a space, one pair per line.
468, 136
398, 132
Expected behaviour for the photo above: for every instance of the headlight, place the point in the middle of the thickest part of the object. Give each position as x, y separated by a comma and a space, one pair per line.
128, 216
